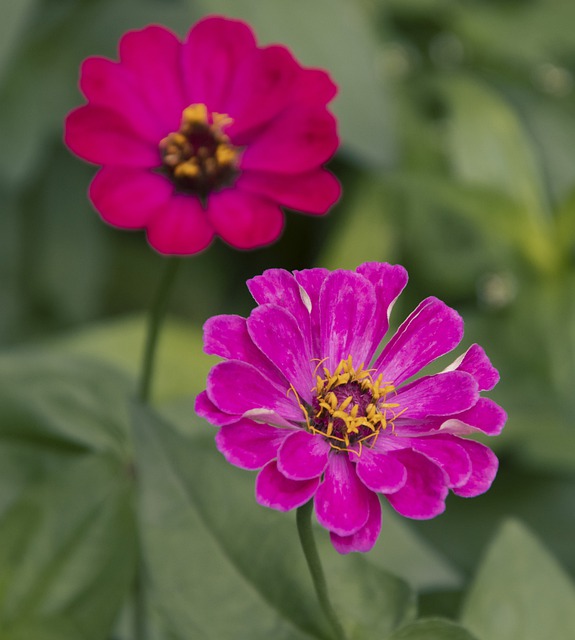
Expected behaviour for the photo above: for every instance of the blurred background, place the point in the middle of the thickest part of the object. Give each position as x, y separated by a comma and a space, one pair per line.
457, 122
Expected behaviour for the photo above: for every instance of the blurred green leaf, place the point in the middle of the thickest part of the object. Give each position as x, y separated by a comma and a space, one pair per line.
181, 364
335, 35
432, 630
201, 555
520, 592
15, 16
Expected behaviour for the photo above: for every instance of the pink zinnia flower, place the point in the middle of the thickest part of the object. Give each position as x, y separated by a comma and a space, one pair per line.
304, 395
210, 136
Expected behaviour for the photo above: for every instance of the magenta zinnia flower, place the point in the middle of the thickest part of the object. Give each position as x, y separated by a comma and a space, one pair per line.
305, 396
203, 137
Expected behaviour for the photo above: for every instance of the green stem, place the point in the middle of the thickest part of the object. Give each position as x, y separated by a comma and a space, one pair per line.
155, 320
307, 540
157, 313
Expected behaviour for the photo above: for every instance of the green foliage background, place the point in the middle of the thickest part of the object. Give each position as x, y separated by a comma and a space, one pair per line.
458, 161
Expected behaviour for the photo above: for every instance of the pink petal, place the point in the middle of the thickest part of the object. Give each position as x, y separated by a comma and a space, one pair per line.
342, 500
447, 455
484, 466
278, 286
314, 87
244, 220
303, 456
227, 336
364, 539
129, 198
277, 335
381, 472
111, 85
236, 387
249, 445
211, 54
486, 416
299, 140
276, 491
476, 362
432, 330
101, 136
313, 192
388, 281
180, 227
347, 304
153, 55
311, 280
263, 84
440, 395
206, 409
423, 495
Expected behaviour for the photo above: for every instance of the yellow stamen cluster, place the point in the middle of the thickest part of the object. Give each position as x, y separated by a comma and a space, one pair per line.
200, 155
359, 416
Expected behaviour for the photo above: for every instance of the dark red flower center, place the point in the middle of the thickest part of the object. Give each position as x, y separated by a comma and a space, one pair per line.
199, 157
349, 408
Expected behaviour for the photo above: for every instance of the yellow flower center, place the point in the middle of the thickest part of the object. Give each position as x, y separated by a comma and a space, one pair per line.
199, 157
349, 407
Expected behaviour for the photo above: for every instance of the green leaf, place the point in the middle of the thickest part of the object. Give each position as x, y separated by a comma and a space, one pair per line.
181, 364
520, 591
432, 630
210, 548
335, 35
15, 16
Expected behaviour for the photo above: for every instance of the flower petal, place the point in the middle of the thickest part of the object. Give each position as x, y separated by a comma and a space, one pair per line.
111, 85
236, 387
342, 500
276, 491
424, 492
447, 455
440, 395
311, 280
180, 227
486, 416
262, 87
102, 136
300, 139
303, 456
484, 466
249, 445
432, 330
211, 54
364, 539
206, 409
313, 192
388, 280
347, 304
381, 472
153, 56
227, 336
277, 335
245, 220
128, 198
476, 362
314, 87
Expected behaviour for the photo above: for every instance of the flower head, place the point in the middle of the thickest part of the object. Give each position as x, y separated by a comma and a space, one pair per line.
305, 395
210, 136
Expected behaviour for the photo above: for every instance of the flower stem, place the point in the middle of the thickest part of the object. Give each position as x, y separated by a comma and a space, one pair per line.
156, 317
157, 313
309, 547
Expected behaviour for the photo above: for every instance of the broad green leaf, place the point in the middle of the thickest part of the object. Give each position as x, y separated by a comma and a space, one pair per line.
335, 35
181, 365
15, 16
43, 628
210, 548
70, 403
489, 147
520, 591
432, 630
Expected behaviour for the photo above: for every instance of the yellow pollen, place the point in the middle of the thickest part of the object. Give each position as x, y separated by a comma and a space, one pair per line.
200, 157
353, 417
